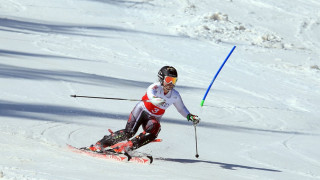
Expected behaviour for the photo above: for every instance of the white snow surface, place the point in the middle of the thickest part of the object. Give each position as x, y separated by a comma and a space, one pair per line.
260, 119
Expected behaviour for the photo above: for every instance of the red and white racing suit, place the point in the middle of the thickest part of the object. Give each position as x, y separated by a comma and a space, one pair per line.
148, 116
172, 97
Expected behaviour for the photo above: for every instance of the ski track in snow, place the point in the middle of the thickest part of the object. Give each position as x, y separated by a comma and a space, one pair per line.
259, 122
252, 154
304, 157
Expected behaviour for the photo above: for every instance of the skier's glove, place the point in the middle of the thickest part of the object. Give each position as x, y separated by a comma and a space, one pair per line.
157, 101
194, 118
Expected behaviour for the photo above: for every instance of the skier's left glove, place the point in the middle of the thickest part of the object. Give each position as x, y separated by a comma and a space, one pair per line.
194, 118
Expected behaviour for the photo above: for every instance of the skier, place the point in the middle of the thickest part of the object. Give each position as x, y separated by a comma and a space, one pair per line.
147, 113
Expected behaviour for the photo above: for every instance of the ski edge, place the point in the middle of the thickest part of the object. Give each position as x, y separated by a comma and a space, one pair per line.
114, 157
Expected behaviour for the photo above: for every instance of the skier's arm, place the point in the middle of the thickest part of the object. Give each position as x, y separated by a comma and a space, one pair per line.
151, 93
182, 109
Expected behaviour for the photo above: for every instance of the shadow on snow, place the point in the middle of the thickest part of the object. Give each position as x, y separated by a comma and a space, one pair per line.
59, 113
50, 112
35, 26
222, 165
15, 72
10, 53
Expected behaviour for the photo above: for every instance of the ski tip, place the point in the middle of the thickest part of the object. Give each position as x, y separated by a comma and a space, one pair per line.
70, 146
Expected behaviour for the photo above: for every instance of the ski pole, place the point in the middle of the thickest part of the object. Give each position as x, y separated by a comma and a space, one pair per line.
120, 99
195, 132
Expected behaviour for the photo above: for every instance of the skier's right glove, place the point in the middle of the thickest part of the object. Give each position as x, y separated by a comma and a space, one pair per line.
157, 101
194, 118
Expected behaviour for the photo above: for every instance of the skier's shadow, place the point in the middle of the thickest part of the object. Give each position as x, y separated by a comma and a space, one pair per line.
222, 165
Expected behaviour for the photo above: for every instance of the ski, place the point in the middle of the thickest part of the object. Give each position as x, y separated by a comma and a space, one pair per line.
113, 156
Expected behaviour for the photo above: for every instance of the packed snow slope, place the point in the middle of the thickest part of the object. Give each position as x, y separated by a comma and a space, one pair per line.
260, 120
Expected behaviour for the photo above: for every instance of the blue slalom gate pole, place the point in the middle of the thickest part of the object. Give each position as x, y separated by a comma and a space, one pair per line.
205, 95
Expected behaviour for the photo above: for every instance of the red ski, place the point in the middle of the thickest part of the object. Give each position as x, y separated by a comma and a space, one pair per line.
113, 156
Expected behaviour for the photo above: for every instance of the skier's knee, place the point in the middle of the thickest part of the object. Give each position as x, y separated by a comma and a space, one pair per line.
153, 127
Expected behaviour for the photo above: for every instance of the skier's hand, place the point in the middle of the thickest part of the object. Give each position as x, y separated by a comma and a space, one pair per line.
157, 101
194, 118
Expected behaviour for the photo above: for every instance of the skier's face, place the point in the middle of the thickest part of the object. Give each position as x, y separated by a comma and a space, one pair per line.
168, 86
169, 83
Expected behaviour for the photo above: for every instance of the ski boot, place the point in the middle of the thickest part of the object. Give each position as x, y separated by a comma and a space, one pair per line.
121, 148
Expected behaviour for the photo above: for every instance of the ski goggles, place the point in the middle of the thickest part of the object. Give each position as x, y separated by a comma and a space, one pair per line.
168, 80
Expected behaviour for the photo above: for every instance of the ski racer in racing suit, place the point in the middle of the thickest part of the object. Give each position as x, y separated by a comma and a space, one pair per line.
147, 113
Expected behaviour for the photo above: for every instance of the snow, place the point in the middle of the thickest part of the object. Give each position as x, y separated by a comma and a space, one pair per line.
260, 120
